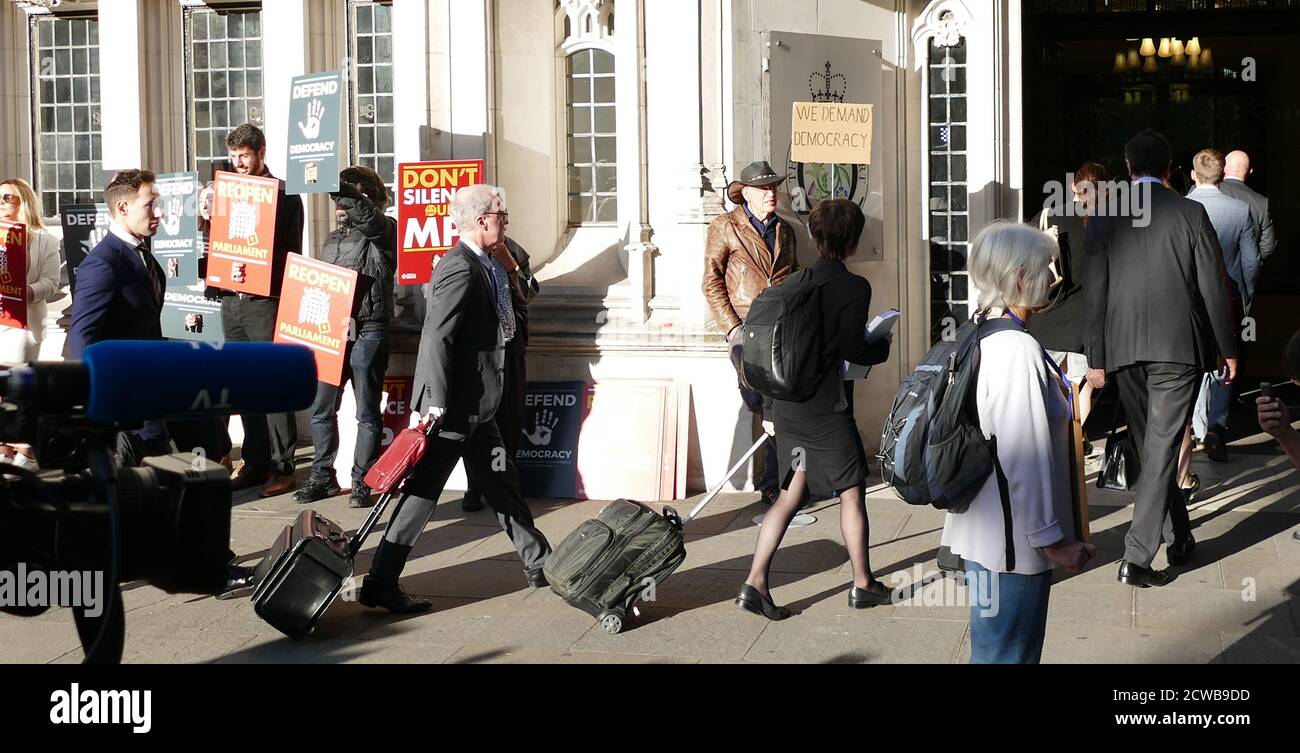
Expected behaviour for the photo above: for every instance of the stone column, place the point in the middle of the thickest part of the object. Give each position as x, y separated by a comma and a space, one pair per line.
633, 205
16, 108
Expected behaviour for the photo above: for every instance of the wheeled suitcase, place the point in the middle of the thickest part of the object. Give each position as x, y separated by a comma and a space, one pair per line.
623, 554
309, 562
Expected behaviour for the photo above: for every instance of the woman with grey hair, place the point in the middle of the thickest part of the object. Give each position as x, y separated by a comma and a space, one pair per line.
1021, 401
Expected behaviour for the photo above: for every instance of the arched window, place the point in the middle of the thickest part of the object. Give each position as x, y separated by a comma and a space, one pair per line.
592, 143
592, 139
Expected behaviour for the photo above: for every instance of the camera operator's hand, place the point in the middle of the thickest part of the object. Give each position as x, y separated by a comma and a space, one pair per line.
1274, 417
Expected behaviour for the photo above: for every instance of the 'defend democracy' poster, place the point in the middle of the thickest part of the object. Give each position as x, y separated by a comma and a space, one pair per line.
315, 109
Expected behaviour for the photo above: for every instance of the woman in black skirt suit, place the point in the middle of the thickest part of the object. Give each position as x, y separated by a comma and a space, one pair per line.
818, 445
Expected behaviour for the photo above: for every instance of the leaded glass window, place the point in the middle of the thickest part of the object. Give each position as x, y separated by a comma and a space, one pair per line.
223, 80
371, 42
66, 76
592, 148
949, 217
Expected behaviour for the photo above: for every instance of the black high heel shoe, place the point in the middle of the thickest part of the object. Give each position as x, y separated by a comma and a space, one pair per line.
750, 600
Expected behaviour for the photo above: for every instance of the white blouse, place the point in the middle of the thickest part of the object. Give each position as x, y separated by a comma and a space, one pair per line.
1020, 401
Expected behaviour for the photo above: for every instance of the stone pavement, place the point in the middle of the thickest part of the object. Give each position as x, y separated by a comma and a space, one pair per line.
1238, 601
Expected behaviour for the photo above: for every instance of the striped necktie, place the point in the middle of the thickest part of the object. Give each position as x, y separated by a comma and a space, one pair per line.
505, 306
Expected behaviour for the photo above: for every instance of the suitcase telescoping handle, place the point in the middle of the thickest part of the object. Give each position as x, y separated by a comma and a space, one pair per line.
718, 489
377, 512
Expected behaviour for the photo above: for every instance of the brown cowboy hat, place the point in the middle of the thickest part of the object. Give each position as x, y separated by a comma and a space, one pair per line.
757, 174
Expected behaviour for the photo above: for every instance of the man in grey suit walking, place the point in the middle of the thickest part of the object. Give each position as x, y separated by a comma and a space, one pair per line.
458, 386
1237, 234
1160, 315
1236, 169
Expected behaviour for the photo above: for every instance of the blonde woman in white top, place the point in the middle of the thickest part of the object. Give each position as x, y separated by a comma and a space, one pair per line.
18, 203
1021, 400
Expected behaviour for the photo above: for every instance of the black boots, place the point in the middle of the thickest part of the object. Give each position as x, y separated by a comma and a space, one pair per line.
380, 588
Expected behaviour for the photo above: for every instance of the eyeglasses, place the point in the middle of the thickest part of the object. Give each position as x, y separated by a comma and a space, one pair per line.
10, 198
505, 216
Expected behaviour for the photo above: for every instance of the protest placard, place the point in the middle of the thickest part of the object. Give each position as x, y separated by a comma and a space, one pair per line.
316, 311
315, 109
831, 132
13, 274
241, 246
426, 190
84, 226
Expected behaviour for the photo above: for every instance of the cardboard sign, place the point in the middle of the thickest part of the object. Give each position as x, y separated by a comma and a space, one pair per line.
397, 406
84, 226
13, 274
315, 110
831, 132
628, 444
241, 245
316, 311
547, 458
426, 190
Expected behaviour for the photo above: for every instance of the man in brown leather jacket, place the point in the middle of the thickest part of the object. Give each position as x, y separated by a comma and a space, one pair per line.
748, 250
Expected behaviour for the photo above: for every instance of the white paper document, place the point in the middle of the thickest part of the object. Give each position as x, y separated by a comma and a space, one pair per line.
877, 330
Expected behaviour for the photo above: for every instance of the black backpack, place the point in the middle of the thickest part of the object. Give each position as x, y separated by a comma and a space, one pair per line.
932, 450
783, 354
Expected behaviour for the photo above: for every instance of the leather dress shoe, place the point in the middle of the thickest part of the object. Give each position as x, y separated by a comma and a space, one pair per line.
536, 578
751, 600
360, 497
770, 496
865, 598
1178, 554
247, 478
278, 485
381, 595
1141, 577
239, 581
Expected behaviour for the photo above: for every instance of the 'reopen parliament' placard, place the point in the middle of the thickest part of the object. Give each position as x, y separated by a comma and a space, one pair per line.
13, 274
241, 245
316, 311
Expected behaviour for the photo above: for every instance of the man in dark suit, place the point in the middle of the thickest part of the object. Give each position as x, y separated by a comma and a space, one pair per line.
510, 414
1235, 171
120, 285
458, 386
1160, 315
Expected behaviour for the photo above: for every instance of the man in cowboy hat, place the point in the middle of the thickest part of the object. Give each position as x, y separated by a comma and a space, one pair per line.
748, 250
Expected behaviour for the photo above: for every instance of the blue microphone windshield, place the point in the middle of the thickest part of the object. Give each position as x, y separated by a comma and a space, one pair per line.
142, 380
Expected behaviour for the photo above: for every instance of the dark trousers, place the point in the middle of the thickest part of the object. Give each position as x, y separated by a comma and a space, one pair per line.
766, 479
490, 470
366, 364
510, 413
1158, 400
269, 441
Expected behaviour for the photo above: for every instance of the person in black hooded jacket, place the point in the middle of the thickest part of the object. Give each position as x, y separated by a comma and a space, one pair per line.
365, 241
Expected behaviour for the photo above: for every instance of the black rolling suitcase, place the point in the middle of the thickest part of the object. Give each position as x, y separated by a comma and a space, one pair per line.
623, 554
306, 569
310, 561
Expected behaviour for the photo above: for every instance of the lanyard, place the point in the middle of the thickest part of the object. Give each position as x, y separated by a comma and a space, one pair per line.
1069, 386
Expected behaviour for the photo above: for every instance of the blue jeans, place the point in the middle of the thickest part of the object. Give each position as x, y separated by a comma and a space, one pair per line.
1212, 404
367, 361
1008, 615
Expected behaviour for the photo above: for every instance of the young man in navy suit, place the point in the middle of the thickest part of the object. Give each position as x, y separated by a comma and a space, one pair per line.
120, 285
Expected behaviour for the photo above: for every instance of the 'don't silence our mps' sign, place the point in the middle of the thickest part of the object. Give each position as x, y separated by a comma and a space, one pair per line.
425, 227
315, 117
13, 274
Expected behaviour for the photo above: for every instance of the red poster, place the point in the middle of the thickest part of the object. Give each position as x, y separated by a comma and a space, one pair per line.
241, 248
423, 214
316, 311
13, 275
397, 405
